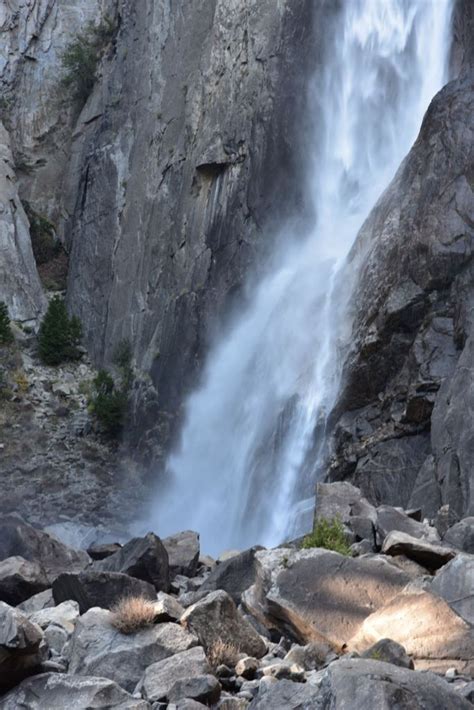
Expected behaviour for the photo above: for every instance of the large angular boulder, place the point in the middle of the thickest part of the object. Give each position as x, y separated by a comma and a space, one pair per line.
455, 583
159, 678
20, 579
97, 648
318, 595
145, 558
204, 689
183, 553
341, 500
53, 691
216, 619
427, 554
286, 694
103, 589
43, 600
423, 623
389, 519
20, 640
234, 575
359, 684
461, 535
66, 613
17, 538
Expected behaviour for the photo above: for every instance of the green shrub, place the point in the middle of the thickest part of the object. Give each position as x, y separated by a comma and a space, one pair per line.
43, 241
6, 335
329, 534
59, 335
81, 57
108, 402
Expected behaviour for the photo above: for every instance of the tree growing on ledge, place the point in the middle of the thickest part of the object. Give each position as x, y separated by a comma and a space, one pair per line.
108, 403
6, 335
59, 335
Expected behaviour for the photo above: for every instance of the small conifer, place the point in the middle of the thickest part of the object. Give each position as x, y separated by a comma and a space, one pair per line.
6, 335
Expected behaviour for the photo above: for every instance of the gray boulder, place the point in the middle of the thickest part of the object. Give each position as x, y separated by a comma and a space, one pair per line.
310, 657
427, 554
43, 600
286, 694
315, 595
65, 614
427, 628
101, 551
183, 553
204, 689
342, 500
359, 684
167, 608
53, 691
20, 579
145, 558
97, 648
17, 538
234, 575
389, 519
389, 651
103, 589
455, 583
20, 640
461, 535
159, 678
216, 618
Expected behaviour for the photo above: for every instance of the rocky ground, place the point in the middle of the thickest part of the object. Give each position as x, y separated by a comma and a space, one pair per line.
56, 467
389, 626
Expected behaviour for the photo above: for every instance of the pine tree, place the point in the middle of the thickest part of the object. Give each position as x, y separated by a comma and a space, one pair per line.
55, 334
6, 335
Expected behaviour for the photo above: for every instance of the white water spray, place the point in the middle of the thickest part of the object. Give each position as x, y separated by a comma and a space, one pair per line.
254, 430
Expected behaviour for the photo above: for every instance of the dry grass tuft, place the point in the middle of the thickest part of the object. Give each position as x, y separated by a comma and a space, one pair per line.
132, 614
222, 653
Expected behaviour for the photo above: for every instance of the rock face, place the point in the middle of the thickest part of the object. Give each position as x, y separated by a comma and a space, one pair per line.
401, 431
20, 286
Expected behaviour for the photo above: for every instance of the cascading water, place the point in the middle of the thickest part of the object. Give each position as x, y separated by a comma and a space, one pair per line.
255, 429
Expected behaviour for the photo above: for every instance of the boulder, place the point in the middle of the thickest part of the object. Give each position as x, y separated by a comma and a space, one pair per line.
17, 538
461, 535
318, 595
389, 519
286, 694
183, 553
144, 558
53, 691
43, 600
342, 500
167, 608
247, 667
216, 618
427, 554
359, 683
103, 589
234, 575
65, 614
160, 677
101, 551
96, 647
310, 657
389, 651
455, 583
204, 689
423, 623
20, 640
20, 579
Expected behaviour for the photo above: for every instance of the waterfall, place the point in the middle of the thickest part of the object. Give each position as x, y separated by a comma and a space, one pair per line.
254, 431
